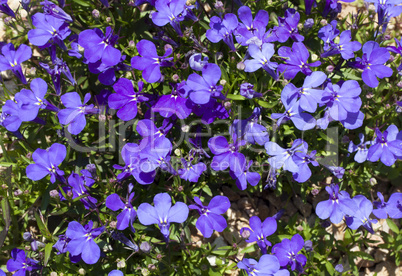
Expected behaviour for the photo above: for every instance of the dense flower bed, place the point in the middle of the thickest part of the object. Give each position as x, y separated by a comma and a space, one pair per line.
130, 116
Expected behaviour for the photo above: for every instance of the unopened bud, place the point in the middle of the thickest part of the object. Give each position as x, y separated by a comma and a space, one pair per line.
339, 268
108, 19
391, 58
95, 14
330, 68
54, 193
151, 267
145, 247
315, 192
222, 82
113, 224
121, 264
373, 181
219, 55
323, 22
69, 193
18, 192
185, 128
167, 46
308, 245
241, 66
399, 84
81, 271
27, 236
131, 44
299, 228
245, 234
180, 188
53, 273
175, 77
227, 105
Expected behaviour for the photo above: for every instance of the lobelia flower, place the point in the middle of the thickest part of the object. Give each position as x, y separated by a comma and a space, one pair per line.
163, 213
106, 73
147, 129
386, 9
175, 103
302, 160
210, 216
285, 157
308, 5
11, 59
119, 236
372, 63
169, 12
249, 129
149, 62
2, 273
20, 263
49, 29
397, 50
10, 116
333, 7
156, 155
30, 101
309, 96
47, 162
191, 172
250, 28
272, 179
259, 231
99, 46
294, 112
77, 187
115, 273
361, 216
361, 148
268, 265
328, 33
261, 59
223, 29
59, 67
243, 175
5, 8
352, 121
337, 206
196, 62
295, 60
203, 87
82, 241
345, 47
387, 146
287, 250
246, 90
126, 99
128, 215
211, 111
287, 27
226, 154
74, 113
52, 9
392, 208
131, 157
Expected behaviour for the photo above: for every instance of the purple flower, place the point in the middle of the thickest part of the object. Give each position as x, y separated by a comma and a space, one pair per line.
226, 154
342, 100
308, 94
128, 215
243, 175
5, 8
10, 116
260, 231
337, 206
30, 101
99, 46
163, 213
169, 12
211, 111
47, 162
302, 160
345, 47
392, 208
74, 113
52, 9
386, 9
222, 29
115, 273
287, 27
295, 60
156, 154
59, 66
287, 250
372, 63
20, 263
191, 172
203, 87
361, 216
285, 157
126, 99
250, 28
49, 29
11, 59
78, 188
361, 148
150, 63
328, 33
210, 216
131, 157
175, 103
268, 265
261, 59
246, 90
196, 62
82, 241
387, 146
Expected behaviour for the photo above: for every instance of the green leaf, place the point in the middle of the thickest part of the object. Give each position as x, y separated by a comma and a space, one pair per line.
330, 268
393, 226
48, 251
43, 229
82, 3
207, 190
236, 97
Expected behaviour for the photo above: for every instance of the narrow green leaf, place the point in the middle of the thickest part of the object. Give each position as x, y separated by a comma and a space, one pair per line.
393, 226
48, 251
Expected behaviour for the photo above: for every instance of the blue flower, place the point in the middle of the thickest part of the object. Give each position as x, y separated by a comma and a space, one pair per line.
259, 231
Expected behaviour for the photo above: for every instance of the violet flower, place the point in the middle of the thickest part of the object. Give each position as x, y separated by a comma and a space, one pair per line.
250, 28
196, 62
5, 8
259, 231
78, 188
392, 208
268, 265
74, 113
345, 47
128, 215
295, 60
203, 87
126, 99
99, 46
49, 29
226, 154
10, 116
387, 146
163, 213
337, 206
361, 216
47, 162
285, 157
361, 148
222, 29
302, 160
210, 216
82, 241
20, 263
52, 9
328, 33
11, 59
59, 67
244, 175
287, 27
287, 250
169, 12
149, 62
246, 90
191, 172
261, 59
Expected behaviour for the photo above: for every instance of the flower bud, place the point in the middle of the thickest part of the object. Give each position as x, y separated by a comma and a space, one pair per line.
95, 14
18, 192
315, 192
373, 181
299, 228
241, 66
308, 24
27, 236
53, 273
121, 264
222, 82
167, 46
330, 68
308, 245
108, 19
151, 267
180, 188
219, 55
339, 268
175, 77
131, 44
113, 224
245, 234
145, 247
81, 271
227, 105
323, 22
